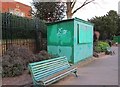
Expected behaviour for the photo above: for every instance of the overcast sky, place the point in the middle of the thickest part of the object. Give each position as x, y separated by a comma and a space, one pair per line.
99, 9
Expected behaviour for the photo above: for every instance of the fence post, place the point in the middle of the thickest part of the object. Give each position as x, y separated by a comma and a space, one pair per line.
37, 36
6, 27
10, 20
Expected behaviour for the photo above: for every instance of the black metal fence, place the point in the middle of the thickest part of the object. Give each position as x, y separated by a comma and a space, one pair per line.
20, 31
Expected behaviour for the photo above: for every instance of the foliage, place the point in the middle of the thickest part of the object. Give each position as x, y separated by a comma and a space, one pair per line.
101, 46
49, 11
43, 55
43, 28
16, 60
107, 25
118, 30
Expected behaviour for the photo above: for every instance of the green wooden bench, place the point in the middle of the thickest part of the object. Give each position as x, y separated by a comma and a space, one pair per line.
49, 71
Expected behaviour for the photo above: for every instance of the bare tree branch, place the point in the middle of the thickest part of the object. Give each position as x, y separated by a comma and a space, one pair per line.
85, 3
73, 3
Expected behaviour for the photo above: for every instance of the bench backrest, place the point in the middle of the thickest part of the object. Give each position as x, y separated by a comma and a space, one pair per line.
46, 68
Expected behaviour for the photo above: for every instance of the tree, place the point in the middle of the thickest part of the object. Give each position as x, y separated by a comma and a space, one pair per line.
118, 30
70, 5
49, 11
112, 18
107, 25
53, 11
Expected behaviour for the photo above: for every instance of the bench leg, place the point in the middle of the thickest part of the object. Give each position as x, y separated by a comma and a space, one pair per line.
76, 73
113, 52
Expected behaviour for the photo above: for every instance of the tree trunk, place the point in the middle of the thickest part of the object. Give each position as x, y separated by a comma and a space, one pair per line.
69, 10
69, 15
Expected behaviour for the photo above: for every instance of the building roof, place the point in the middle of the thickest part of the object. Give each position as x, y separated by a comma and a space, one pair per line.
77, 19
23, 4
15, 2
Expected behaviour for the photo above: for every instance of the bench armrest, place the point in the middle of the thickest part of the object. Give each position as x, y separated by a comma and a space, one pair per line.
39, 82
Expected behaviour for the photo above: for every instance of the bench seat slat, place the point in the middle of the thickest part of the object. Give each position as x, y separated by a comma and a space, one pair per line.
49, 65
47, 79
39, 76
48, 69
60, 76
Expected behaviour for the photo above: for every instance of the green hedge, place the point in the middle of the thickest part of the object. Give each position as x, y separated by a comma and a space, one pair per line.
101, 46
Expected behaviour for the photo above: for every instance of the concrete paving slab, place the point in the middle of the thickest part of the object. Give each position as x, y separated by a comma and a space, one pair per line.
102, 71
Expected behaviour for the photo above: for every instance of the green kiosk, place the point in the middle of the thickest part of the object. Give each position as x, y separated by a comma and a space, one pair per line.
72, 38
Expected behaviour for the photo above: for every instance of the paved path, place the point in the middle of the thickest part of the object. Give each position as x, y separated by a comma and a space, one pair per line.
102, 71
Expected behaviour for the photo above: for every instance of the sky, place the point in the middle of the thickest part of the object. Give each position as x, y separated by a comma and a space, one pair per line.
99, 8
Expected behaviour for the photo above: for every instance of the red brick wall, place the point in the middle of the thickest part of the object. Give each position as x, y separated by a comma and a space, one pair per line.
16, 5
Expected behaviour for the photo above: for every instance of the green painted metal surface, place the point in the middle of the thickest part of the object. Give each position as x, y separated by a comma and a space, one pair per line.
83, 51
60, 34
60, 40
116, 39
83, 47
61, 51
85, 33
72, 38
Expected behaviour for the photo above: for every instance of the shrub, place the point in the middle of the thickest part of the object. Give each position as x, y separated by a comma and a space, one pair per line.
16, 60
101, 46
98, 49
43, 55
